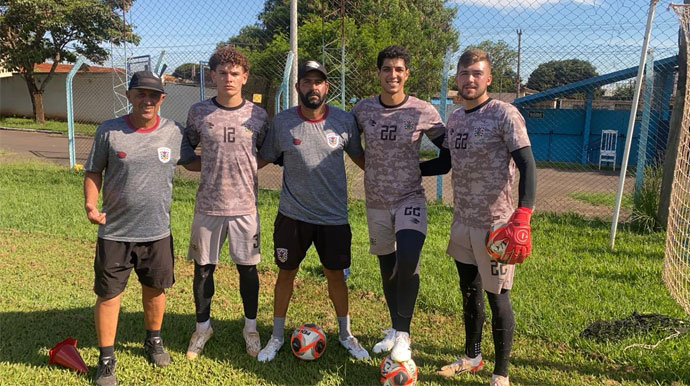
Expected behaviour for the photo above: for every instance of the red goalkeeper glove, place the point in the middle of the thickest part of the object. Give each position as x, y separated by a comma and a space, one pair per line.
516, 236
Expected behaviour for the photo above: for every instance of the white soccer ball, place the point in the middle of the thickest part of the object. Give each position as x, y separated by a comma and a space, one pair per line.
308, 342
494, 246
398, 373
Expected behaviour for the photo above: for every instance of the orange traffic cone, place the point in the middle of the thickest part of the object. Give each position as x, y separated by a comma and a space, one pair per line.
65, 353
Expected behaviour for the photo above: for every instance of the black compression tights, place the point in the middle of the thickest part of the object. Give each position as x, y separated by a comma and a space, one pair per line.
249, 289
204, 289
502, 318
400, 277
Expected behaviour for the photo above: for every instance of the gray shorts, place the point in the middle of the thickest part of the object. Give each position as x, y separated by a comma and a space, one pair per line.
467, 245
209, 233
383, 224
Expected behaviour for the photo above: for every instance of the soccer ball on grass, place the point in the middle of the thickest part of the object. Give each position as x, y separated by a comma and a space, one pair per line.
308, 342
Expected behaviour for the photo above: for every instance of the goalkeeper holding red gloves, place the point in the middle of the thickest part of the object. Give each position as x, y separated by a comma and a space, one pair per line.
485, 142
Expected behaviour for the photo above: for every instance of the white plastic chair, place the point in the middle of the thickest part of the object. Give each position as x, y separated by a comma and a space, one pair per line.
607, 148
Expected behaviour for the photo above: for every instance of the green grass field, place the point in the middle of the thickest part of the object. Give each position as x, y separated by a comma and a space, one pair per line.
571, 280
52, 125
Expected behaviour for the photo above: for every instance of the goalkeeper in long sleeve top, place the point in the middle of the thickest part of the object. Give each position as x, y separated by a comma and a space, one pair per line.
485, 142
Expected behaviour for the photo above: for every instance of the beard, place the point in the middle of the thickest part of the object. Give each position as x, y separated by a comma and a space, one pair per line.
478, 92
307, 102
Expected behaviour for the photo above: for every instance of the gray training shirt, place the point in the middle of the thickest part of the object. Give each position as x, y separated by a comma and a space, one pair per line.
314, 184
137, 185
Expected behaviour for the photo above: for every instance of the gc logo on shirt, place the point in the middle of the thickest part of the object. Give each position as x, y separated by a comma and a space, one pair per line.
164, 154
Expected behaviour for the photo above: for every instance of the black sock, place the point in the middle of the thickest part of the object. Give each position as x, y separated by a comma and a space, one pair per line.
472, 307
107, 351
502, 327
402, 323
389, 279
150, 334
204, 289
249, 289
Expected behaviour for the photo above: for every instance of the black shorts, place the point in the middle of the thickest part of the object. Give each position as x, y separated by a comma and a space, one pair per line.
292, 238
153, 262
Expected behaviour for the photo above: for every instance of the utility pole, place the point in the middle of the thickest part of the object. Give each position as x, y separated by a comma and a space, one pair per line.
293, 48
519, 34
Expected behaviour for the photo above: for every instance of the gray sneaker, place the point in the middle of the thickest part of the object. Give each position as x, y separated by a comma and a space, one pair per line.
105, 374
155, 352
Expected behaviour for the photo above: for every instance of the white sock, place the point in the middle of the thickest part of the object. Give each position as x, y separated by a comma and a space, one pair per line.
203, 326
249, 324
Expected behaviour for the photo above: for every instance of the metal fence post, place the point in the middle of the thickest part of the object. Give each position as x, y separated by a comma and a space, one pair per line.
70, 110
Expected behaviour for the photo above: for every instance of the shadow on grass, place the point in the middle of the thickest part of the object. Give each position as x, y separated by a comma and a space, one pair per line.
27, 337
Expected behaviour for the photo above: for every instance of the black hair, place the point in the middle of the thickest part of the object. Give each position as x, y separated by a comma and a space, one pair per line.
393, 52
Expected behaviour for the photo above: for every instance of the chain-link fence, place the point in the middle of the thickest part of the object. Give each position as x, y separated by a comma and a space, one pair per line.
569, 66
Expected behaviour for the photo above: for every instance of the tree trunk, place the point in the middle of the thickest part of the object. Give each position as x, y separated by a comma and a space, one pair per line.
673, 132
37, 104
36, 97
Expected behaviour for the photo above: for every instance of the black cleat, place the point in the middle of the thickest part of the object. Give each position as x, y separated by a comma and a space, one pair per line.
155, 352
105, 374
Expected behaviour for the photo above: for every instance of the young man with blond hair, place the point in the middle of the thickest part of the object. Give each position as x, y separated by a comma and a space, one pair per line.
486, 140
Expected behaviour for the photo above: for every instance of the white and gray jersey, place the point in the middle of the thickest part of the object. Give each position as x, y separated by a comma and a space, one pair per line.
314, 184
137, 184
228, 138
393, 136
480, 141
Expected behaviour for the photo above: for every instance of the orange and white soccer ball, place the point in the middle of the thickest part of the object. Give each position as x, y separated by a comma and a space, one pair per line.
398, 373
308, 342
496, 247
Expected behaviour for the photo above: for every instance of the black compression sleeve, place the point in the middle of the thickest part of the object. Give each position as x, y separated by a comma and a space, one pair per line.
527, 188
439, 165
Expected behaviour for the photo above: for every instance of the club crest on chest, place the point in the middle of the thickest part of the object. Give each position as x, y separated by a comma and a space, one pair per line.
164, 154
332, 139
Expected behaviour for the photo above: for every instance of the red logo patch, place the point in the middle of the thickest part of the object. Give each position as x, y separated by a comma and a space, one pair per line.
121, 154
296, 141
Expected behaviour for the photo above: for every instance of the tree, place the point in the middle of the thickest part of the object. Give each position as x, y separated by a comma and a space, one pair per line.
424, 27
503, 59
187, 71
624, 91
34, 31
560, 72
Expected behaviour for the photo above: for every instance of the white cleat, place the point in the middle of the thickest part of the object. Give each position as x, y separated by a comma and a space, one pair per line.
401, 349
499, 380
354, 347
252, 342
269, 352
197, 342
464, 364
387, 343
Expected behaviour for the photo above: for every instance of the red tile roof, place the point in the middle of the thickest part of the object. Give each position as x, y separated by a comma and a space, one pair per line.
45, 67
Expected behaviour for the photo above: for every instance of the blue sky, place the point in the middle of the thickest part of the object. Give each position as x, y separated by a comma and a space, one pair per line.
608, 33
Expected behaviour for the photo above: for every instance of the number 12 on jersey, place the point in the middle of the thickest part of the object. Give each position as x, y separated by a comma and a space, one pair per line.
228, 134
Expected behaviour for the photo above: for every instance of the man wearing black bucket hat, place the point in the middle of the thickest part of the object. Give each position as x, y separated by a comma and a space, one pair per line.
132, 161
310, 139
